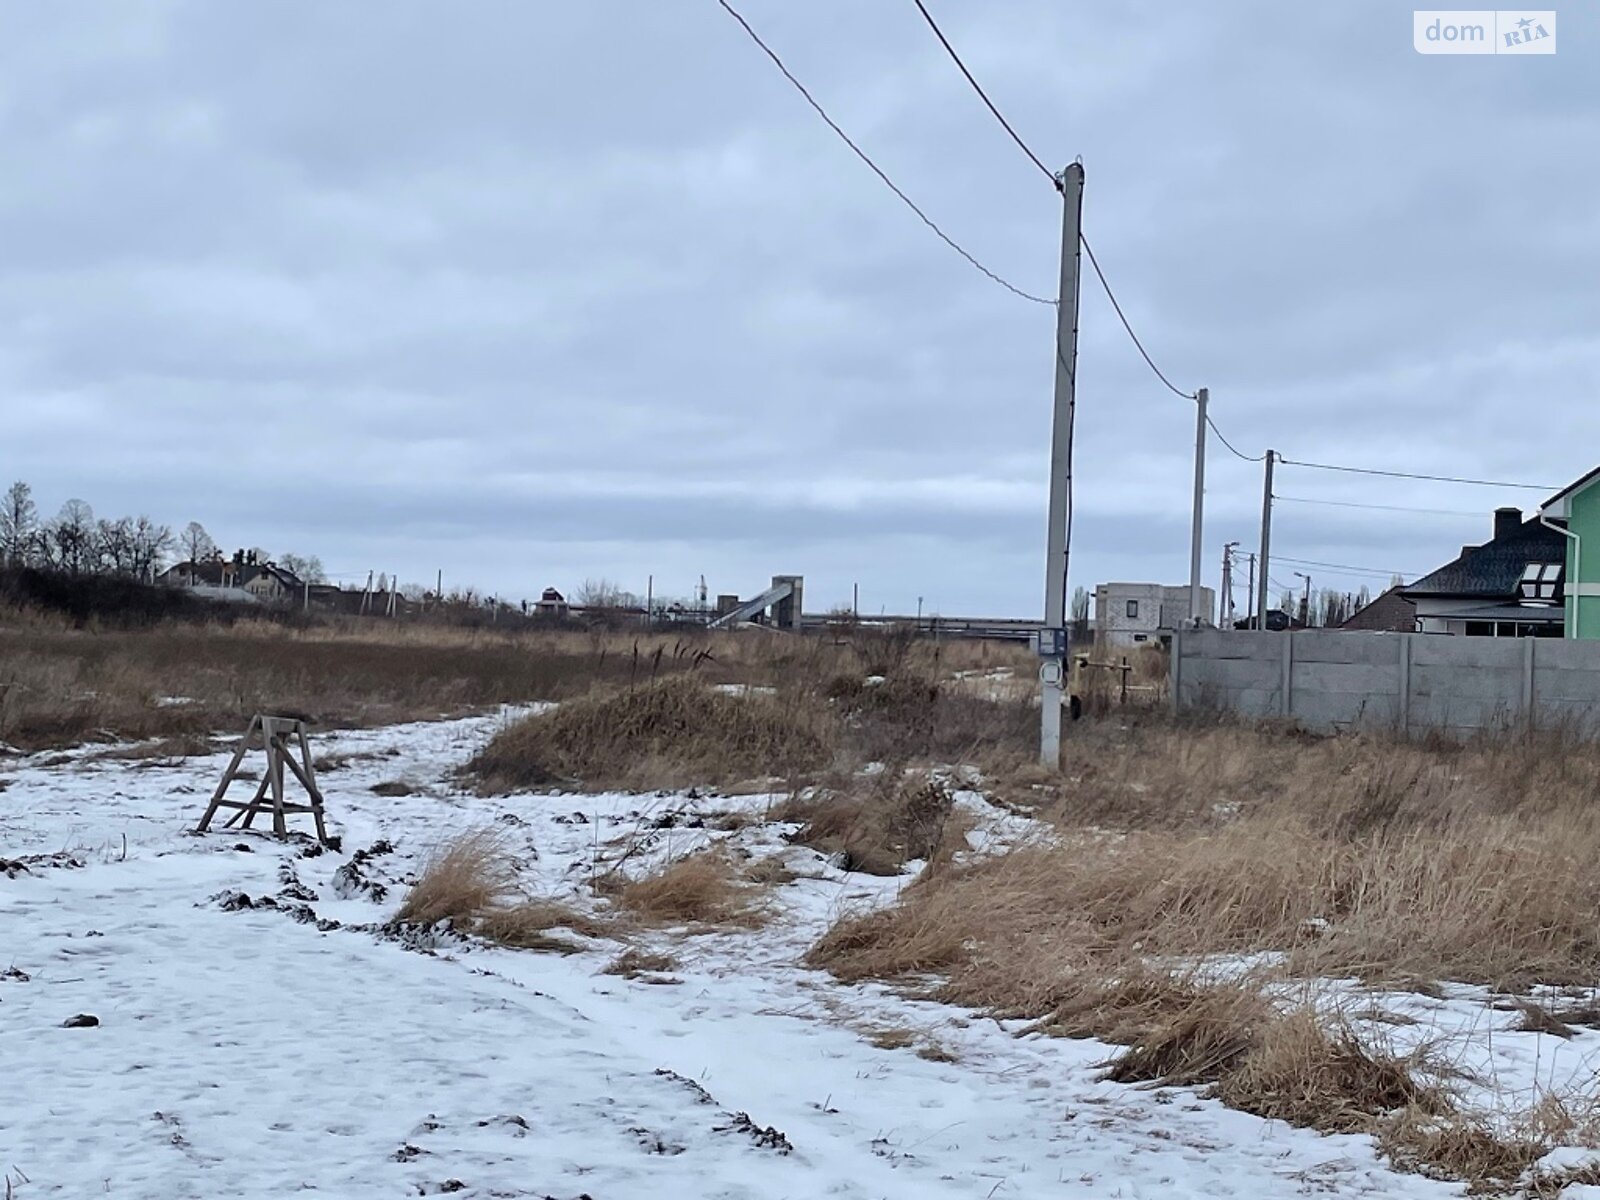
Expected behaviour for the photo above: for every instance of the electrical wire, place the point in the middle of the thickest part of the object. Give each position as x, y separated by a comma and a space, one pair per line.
1438, 512
1530, 487
984, 96
1345, 567
876, 169
1236, 452
1121, 316
1127, 325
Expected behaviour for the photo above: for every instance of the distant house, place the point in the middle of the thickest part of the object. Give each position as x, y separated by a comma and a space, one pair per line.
241, 577
272, 583
1131, 614
1511, 586
1277, 621
1392, 612
551, 604
1577, 510
215, 572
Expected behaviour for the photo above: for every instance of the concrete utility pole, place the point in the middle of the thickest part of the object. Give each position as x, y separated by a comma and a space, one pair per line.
1053, 637
1196, 616
1266, 542
1305, 604
1250, 595
1227, 584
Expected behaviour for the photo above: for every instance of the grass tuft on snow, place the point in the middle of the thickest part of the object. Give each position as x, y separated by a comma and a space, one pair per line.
471, 881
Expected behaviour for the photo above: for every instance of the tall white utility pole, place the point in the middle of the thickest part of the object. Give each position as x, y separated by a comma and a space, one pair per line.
1226, 614
1266, 543
1053, 637
1196, 615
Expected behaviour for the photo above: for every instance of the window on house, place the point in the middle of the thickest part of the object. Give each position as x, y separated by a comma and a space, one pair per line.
1133, 609
1540, 583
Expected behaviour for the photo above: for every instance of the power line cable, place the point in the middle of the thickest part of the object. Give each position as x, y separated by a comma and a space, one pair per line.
1110, 295
1121, 316
1438, 512
984, 96
1345, 567
1236, 452
1530, 487
876, 170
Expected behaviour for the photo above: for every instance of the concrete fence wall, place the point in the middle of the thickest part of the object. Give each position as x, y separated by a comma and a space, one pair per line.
1326, 679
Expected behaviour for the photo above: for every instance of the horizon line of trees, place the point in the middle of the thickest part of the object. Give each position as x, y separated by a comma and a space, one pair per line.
75, 542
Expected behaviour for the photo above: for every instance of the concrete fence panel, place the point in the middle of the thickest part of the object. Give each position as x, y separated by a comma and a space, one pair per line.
1331, 680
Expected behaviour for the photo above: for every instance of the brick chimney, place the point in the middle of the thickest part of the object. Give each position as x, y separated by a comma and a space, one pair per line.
1506, 521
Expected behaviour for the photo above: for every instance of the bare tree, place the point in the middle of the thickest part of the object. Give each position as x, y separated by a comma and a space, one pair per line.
113, 547
70, 539
602, 593
19, 526
1080, 613
196, 543
308, 570
149, 546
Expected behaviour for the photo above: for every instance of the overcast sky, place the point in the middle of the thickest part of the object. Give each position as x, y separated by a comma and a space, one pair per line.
533, 292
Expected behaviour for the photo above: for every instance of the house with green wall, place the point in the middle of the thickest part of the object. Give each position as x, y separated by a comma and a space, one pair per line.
1576, 508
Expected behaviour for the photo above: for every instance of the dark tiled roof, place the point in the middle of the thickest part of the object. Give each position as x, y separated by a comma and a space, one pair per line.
1494, 568
1391, 612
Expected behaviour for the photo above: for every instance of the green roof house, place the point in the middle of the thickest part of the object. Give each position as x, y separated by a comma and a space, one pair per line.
1577, 506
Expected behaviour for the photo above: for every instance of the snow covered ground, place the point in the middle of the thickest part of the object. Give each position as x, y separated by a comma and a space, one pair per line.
264, 1051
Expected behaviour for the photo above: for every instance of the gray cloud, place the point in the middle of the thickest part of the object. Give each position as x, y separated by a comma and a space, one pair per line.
534, 293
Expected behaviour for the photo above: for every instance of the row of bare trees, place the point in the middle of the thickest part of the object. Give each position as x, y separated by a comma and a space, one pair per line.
74, 541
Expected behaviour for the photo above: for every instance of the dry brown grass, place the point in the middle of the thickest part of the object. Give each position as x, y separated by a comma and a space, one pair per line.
1308, 1069
702, 889
1397, 862
62, 686
462, 881
633, 964
771, 872
877, 829
471, 881
167, 749
674, 733
526, 926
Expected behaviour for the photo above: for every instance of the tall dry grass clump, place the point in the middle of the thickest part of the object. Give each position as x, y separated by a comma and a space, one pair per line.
877, 827
471, 881
707, 888
461, 881
674, 733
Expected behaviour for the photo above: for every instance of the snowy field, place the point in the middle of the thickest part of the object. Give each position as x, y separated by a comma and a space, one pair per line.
264, 1051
